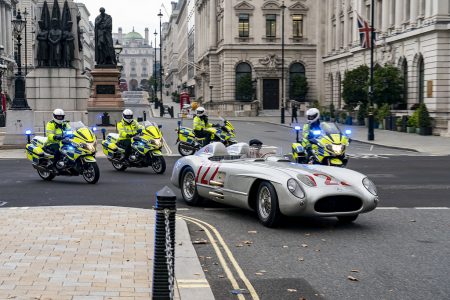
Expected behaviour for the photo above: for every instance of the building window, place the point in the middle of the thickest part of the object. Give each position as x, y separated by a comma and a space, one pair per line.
243, 82
244, 25
421, 79
297, 87
405, 80
297, 26
271, 25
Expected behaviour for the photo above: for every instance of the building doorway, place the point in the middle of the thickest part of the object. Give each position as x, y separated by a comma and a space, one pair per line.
271, 94
133, 85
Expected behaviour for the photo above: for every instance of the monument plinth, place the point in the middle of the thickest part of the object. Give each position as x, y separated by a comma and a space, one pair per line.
105, 95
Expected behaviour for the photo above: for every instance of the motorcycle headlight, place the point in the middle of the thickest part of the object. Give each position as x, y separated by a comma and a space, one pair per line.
157, 142
299, 149
338, 149
370, 186
295, 188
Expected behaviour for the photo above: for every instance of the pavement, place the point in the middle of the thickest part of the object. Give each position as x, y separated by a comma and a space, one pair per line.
89, 253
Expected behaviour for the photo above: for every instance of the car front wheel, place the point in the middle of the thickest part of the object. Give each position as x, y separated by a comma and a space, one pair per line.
267, 204
188, 187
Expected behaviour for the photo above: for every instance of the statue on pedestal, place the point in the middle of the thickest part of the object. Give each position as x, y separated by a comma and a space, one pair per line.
104, 48
42, 51
54, 37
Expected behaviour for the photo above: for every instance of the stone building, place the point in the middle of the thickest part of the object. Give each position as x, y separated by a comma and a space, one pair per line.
28, 10
413, 35
87, 37
6, 40
137, 58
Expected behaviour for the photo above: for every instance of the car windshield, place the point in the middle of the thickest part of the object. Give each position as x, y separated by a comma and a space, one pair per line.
330, 128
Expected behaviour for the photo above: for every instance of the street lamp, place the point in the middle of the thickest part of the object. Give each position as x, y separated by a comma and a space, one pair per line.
3, 68
371, 132
210, 94
19, 102
154, 74
282, 62
118, 49
161, 111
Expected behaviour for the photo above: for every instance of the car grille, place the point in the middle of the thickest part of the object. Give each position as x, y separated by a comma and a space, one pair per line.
338, 204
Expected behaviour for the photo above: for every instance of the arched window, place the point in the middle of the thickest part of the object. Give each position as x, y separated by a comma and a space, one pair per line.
339, 90
297, 80
421, 78
243, 82
405, 80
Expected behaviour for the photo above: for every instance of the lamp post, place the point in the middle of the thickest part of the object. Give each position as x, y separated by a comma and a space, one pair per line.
282, 62
210, 94
3, 68
19, 102
25, 14
161, 110
154, 74
371, 132
118, 49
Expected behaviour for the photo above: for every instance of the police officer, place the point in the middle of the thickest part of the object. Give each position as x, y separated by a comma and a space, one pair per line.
55, 132
128, 128
313, 116
202, 129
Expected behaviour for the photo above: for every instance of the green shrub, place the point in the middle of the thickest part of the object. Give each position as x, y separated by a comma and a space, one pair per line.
424, 119
398, 122
413, 121
383, 112
362, 112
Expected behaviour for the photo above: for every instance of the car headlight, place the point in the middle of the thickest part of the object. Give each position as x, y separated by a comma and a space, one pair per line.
370, 186
295, 188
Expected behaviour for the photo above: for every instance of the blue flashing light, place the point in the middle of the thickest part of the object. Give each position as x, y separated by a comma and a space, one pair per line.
94, 129
28, 132
317, 132
297, 128
69, 132
348, 132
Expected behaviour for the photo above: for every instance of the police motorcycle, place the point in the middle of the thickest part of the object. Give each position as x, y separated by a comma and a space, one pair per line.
77, 148
145, 149
328, 148
189, 143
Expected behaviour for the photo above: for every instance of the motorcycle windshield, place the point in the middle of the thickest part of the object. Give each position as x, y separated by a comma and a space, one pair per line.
330, 128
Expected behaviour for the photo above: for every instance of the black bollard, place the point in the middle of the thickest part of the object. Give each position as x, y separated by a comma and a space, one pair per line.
161, 111
145, 116
171, 112
165, 203
104, 133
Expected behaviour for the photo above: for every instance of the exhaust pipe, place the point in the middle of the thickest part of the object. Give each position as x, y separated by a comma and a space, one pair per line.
217, 195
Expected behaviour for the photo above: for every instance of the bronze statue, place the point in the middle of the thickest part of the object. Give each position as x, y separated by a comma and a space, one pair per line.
54, 37
42, 50
68, 45
104, 48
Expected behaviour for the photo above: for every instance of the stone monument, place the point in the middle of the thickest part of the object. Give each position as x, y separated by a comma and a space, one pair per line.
105, 98
57, 81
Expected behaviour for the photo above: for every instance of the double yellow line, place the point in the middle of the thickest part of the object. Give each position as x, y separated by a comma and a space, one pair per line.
208, 228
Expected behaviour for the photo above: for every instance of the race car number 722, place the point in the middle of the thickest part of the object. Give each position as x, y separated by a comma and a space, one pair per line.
206, 171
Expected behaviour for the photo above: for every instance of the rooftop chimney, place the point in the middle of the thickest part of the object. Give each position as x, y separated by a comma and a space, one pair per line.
146, 37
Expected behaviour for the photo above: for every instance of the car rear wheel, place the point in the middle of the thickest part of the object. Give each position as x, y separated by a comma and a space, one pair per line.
347, 219
189, 188
267, 204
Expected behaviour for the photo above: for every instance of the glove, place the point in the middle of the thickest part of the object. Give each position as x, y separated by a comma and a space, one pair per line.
66, 141
217, 125
57, 137
139, 131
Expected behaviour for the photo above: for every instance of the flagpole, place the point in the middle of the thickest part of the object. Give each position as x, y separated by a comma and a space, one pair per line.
371, 131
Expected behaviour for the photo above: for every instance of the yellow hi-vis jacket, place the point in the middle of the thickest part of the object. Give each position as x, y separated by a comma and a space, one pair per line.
127, 129
54, 128
200, 124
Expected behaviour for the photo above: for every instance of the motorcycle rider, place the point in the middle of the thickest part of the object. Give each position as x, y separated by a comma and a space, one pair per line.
202, 128
127, 128
55, 132
313, 116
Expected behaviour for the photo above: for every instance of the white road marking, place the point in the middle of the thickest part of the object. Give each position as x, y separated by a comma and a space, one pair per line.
183, 208
371, 148
3, 203
431, 208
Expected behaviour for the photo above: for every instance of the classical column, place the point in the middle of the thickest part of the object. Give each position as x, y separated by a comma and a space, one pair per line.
346, 24
414, 12
399, 7
213, 24
3, 25
9, 41
337, 44
330, 26
441, 8
385, 16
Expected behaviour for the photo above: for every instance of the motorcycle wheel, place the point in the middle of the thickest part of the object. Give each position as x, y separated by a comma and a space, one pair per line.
185, 152
91, 173
159, 164
46, 175
119, 166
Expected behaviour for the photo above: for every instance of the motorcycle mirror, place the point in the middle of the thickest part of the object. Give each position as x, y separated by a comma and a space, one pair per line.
160, 126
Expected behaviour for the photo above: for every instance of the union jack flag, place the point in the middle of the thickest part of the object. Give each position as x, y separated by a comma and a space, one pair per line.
364, 32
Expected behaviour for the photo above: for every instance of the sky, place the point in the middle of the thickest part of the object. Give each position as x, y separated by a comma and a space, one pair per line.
129, 13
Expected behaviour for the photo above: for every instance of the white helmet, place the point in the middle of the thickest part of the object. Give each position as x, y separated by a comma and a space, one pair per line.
127, 115
313, 114
58, 116
200, 111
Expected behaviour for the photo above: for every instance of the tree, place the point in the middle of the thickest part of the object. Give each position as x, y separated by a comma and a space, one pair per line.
388, 85
299, 87
355, 86
244, 87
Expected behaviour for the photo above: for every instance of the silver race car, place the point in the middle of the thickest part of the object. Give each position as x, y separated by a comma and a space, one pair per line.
256, 179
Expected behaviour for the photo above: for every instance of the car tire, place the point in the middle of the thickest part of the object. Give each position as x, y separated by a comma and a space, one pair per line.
267, 204
189, 188
347, 219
